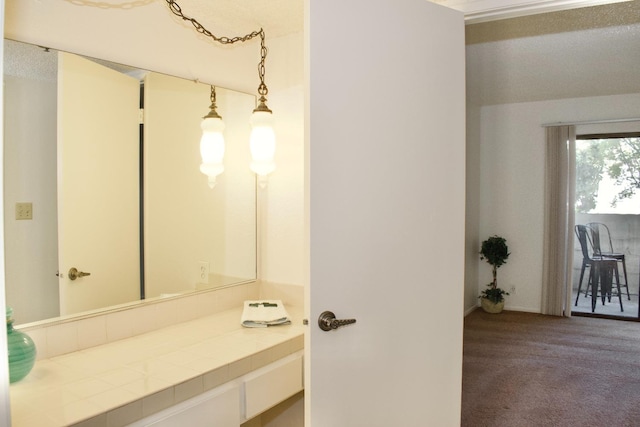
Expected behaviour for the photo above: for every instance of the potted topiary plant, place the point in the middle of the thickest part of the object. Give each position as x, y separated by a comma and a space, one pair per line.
495, 251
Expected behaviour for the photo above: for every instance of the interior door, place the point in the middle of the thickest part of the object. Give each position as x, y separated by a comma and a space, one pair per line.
385, 135
98, 195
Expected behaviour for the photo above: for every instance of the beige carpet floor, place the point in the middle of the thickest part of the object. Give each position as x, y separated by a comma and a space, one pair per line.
523, 369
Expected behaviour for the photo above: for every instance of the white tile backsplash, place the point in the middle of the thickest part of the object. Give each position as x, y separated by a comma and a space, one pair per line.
73, 335
61, 338
146, 319
290, 295
92, 332
120, 324
207, 303
39, 337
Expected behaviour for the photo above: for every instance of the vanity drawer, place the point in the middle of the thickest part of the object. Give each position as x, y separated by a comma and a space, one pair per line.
218, 407
272, 384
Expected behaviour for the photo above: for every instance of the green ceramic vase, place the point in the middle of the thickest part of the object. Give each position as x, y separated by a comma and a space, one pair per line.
22, 351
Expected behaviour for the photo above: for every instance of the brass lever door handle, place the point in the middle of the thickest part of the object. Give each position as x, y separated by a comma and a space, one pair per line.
74, 273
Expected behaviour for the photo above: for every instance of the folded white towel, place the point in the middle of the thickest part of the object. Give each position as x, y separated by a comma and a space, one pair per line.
263, 313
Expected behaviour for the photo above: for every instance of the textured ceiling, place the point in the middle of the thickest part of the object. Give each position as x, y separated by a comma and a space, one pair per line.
239, 17
282, 17
35, 62
40, 63
582, 52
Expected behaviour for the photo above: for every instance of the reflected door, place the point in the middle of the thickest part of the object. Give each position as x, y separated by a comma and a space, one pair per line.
98, 190
386, 212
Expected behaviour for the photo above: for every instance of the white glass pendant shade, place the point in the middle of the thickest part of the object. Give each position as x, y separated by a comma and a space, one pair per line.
262, 143
212, 148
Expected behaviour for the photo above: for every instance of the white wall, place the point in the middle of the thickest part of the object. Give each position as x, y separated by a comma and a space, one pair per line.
186, 221
510, 183
31, 246
281, 203
5, 417
472, 207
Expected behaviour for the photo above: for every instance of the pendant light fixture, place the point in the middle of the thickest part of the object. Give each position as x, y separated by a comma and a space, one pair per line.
263, 138
212, 142
262, 142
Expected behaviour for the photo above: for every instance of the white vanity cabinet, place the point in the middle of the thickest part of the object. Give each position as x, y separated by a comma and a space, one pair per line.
237, 401
218, 407
268, 386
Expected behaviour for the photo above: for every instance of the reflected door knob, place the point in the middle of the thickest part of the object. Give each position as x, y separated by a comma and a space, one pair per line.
327, 321
74, 273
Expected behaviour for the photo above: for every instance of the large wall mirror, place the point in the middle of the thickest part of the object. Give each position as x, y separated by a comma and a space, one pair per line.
101, 175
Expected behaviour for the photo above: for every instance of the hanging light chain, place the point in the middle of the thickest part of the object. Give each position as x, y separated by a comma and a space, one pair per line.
262, 88
213, 95
177, 10
213, 113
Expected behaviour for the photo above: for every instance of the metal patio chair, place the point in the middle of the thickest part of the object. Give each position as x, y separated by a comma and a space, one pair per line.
600, 236
602, 271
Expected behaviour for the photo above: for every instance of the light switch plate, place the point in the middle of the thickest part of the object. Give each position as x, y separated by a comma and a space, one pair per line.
24, 210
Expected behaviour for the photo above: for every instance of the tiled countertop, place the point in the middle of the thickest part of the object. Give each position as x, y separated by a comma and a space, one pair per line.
121, 382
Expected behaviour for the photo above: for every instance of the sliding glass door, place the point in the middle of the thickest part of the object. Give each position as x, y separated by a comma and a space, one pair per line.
607, 232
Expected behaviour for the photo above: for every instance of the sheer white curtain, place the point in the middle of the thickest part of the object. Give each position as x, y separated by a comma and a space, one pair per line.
559, 218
